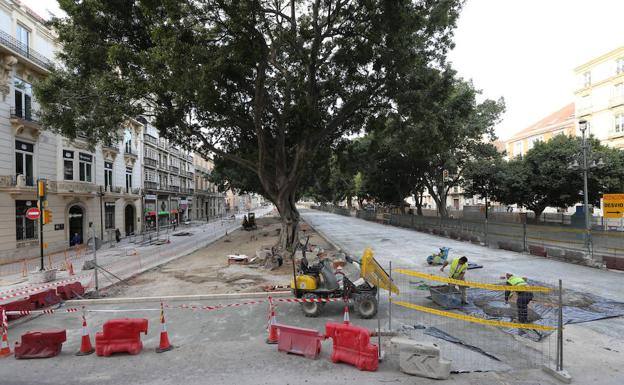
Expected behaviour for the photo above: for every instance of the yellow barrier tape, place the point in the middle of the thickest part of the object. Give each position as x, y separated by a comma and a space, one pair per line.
487, 286
467, 318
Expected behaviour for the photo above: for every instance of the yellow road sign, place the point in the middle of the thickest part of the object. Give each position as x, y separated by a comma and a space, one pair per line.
613, 205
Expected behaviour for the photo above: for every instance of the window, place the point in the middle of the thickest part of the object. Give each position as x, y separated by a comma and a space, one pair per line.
128, 179
533, 140
108, 175
128, 142
619, 123
587, 79
109, 215
23, 99
85, 167
619, 65
517, 148
22, 35
68, 165
25, 228
150, 176
24, 161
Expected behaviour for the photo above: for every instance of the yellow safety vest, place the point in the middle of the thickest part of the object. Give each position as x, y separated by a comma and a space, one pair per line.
457, 269
516, 281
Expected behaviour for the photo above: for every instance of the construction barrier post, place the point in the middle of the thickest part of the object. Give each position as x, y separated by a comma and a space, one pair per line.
273, 336
164, 336
5, 349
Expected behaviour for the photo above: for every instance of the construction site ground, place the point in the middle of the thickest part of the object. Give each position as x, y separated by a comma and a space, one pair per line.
227, 346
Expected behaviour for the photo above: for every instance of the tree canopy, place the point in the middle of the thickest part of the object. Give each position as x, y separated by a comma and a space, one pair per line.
260, 84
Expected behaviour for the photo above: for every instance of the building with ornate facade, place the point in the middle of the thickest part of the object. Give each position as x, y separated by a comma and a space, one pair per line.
85, 186
209, 203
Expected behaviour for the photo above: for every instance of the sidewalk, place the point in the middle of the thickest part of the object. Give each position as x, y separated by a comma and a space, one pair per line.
125, 259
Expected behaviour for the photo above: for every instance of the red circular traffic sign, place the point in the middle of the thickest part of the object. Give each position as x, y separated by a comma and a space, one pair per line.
33, 213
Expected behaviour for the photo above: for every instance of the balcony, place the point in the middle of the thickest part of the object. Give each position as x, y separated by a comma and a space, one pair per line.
189, 174
615, 101
72, 189
174, 169
584, 110
17, 184
150, 162
25, 51
174, 151
150, 139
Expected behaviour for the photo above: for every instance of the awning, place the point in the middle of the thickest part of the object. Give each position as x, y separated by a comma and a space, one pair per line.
150, 213
163, 213
173, 211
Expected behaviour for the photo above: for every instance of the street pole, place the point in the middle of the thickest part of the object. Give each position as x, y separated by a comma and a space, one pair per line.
585, 197
41, 196
95, 268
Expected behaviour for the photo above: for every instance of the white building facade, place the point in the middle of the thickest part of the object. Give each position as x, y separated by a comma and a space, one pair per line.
98, 186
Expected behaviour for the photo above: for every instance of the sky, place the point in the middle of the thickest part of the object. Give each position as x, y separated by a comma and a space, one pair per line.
522, 50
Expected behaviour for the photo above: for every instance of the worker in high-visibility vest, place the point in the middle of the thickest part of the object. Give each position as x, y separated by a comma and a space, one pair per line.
524, 297
458, 271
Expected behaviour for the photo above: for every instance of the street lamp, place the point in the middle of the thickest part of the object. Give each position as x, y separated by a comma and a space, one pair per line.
584, 167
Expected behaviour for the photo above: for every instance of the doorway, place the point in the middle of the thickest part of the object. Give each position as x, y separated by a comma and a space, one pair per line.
129, 215
76, 225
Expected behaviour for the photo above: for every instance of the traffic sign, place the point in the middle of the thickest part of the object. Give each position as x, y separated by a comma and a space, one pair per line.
33, 213
613, 205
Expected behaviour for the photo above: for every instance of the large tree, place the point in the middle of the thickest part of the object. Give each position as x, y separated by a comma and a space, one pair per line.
543, 177
261, 84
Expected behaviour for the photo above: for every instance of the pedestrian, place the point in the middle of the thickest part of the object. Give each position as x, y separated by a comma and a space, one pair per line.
524, 297
76, 240
117, 235
174, 223
458, 271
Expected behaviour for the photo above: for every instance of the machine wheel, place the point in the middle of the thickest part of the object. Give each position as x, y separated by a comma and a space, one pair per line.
312, 309
366, 305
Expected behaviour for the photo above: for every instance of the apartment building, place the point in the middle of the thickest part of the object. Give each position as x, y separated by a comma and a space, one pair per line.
209, 203
168, 182
100, 186
600, 96
560, 122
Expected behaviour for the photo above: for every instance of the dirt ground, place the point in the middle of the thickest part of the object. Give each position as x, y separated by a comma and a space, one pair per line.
206, 270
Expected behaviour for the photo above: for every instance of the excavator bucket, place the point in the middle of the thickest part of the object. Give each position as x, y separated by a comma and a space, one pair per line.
373, 273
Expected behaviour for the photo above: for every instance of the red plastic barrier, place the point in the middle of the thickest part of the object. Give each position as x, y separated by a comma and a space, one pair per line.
71, 290
352, 346
120, 335
18, 305
45, 298
306, 342
40, 343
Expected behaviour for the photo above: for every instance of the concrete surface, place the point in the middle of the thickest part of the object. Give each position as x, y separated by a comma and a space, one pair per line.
593, 352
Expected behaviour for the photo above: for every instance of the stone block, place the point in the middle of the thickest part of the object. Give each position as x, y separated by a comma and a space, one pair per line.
575, 256
553, 252
511, 246
42, 276
421, 359
539, 251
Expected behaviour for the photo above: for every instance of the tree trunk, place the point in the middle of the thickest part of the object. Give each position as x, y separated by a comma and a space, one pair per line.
418, 201
360, 203
289, 215
349, 202
440, 201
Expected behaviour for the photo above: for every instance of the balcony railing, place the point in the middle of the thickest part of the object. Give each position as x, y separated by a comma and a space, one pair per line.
150, 139
189, 174
25, 113
615, 101
151, 185
16, 181
174, 169
24, 50
150, 162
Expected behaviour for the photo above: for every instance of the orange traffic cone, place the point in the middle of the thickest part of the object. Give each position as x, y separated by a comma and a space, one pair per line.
85, 346
164, 337
5, 349
273, 337
345, 318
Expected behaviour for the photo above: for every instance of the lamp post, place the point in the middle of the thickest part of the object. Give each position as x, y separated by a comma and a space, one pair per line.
585, 167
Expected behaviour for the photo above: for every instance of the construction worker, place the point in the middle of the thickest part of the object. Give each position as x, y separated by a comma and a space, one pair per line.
524, 297
458, 270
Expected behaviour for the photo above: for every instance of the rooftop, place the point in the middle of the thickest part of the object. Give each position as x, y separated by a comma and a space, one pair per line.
554, 121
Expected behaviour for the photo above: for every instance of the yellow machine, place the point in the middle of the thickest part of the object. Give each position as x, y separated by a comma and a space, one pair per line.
320, 281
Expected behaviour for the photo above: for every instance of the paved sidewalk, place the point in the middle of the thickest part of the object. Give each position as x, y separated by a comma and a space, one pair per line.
127, 258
